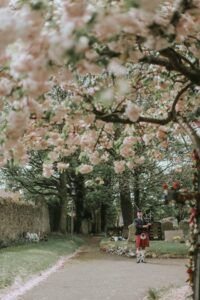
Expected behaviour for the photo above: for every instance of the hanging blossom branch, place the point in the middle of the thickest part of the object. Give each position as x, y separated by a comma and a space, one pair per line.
99, 136
180, 8
116, 118
173, 61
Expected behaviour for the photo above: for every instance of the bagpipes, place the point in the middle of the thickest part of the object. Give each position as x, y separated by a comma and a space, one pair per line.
148, 217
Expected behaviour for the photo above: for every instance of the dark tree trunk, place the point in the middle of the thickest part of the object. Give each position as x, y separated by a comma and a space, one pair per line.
63, 216
197, 252
93, 230
180, 215
98, 221
104, 206
79, 201
63, 203
103, 218
136, 192
125, 201
54, 215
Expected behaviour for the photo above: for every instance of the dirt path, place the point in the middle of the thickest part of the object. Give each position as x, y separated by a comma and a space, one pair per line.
92, 275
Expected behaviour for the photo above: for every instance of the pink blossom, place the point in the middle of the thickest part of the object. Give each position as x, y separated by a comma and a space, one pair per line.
82, 44
131, 165
53, 156
107, 97
19, 150
116, 68
85, 169
5, 86
119, 166
21, 63
7, 25
147, 138
4, 3
54, 135
132, 112
123, 86
130, 140
105, 157
73, 139
94, 158
127, 151
47, 170
17, 124
35, 108
140, 160
88, 139
35, 88
162, 132
109, 128
62, 166
165, 144
89, 119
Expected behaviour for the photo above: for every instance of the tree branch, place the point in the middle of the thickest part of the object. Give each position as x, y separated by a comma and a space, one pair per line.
173, 61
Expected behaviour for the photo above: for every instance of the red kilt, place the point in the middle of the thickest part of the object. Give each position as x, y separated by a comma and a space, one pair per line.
141, 242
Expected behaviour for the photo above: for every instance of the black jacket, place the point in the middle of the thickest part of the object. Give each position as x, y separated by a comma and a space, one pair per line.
139, 226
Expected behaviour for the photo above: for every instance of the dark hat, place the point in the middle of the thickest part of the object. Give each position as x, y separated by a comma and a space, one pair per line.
139, 210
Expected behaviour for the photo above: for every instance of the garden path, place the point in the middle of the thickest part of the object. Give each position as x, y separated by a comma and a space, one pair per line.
93, 275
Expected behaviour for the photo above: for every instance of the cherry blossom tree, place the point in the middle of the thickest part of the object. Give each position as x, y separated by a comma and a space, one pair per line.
126, 62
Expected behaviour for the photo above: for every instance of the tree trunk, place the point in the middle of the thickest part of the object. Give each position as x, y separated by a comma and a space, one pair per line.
93, 230
180, 215
98, 220
79, 201
103, 218
63, 203
197, 252
125, 201
54, 215
63, 216
104, 206
136, 192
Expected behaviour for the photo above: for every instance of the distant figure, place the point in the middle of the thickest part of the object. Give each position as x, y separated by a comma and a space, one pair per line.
141, 236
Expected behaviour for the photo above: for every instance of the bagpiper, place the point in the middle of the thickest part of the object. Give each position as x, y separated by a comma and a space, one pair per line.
141, 236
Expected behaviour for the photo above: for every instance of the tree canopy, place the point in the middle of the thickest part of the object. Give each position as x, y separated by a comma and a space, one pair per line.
107, 62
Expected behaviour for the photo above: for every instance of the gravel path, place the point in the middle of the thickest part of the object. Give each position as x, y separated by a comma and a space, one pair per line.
92, 275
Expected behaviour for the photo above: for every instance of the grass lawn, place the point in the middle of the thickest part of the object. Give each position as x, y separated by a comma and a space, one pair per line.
25, 260
157, 248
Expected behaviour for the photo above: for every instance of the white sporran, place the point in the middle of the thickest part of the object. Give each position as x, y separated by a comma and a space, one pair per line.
143, 236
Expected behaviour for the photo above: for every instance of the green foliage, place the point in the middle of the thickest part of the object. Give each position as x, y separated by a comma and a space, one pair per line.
132, 3
153, 294
99, 191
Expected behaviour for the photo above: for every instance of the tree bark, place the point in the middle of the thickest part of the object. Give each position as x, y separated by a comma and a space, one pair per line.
197, 252
54, 214
125, 201
103, 217
79, 201
63, 217
63, 202
136, 192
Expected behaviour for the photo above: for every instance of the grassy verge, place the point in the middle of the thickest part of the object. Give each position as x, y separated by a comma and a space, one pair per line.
156, 249
26, 260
